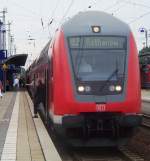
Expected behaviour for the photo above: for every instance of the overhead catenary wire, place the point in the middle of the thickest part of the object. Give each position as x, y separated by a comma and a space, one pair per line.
120, 7
139, 17
130, 3
29, 11
140, 5
127, 2
113, 5
53, 12
26, 9
92, 4
66, 12
62, 19
136, 4
50, 21
117, 6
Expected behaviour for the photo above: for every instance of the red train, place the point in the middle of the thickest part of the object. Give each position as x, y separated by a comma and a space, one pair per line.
145, 70
90, 73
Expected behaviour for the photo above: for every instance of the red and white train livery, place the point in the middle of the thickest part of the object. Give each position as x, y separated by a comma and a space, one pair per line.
90, 71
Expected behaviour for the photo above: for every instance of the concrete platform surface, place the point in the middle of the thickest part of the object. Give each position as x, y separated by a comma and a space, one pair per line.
6, 108
145, 95
23, 138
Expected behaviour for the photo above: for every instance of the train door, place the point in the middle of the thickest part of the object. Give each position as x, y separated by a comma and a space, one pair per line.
46, 95
32, 89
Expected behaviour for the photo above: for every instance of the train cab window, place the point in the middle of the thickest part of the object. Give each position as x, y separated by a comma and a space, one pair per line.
100, 56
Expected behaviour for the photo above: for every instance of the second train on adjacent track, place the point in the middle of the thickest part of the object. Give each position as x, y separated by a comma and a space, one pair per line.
145, 70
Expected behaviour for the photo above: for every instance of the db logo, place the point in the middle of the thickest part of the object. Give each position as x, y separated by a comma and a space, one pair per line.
100, 107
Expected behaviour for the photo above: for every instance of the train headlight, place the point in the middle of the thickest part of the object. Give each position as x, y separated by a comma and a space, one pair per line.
87, 88
81, 88
112, 88
118, 88
96, 29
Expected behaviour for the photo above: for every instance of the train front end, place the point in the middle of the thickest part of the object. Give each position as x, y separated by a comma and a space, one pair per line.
96, 80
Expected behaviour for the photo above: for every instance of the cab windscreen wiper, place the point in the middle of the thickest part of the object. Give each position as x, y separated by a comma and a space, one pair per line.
115, 72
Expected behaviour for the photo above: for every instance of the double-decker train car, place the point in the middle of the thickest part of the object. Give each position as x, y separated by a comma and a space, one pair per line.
91, 79
145, 70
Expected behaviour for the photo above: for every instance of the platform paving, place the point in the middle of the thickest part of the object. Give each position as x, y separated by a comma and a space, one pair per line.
47, 145
21, 141
9, 149
28, 146
23, 138
145, 95
6, 108
146, 102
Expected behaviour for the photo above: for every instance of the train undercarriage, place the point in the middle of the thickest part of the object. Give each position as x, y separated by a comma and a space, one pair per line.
98, 129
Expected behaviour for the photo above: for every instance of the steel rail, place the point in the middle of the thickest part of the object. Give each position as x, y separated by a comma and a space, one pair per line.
146, 121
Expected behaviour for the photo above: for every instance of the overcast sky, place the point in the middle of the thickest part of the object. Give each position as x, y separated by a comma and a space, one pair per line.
27, 17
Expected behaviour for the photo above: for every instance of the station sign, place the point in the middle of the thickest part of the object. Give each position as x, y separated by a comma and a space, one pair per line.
3, 54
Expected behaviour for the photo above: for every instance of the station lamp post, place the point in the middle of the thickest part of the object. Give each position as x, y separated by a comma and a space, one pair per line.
144, 30
30, 39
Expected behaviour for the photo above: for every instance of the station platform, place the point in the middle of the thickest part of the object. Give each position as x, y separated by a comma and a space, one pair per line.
22, 137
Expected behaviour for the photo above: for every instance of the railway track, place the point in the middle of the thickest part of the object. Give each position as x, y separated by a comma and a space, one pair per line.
146, 121
68, 153
104, 154
129, 155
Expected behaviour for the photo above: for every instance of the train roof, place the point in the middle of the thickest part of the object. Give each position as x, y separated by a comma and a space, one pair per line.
45, 48
81, 23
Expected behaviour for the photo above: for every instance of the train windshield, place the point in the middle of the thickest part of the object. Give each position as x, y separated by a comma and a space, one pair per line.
94, 58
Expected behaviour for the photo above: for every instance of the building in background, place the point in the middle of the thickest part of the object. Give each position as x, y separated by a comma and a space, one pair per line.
3, 51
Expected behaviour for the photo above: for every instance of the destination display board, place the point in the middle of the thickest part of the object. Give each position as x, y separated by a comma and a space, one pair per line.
97, 42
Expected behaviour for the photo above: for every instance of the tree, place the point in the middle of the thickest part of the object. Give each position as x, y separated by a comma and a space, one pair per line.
144, 50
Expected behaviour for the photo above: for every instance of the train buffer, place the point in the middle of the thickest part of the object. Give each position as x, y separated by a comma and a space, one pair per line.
23, 138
